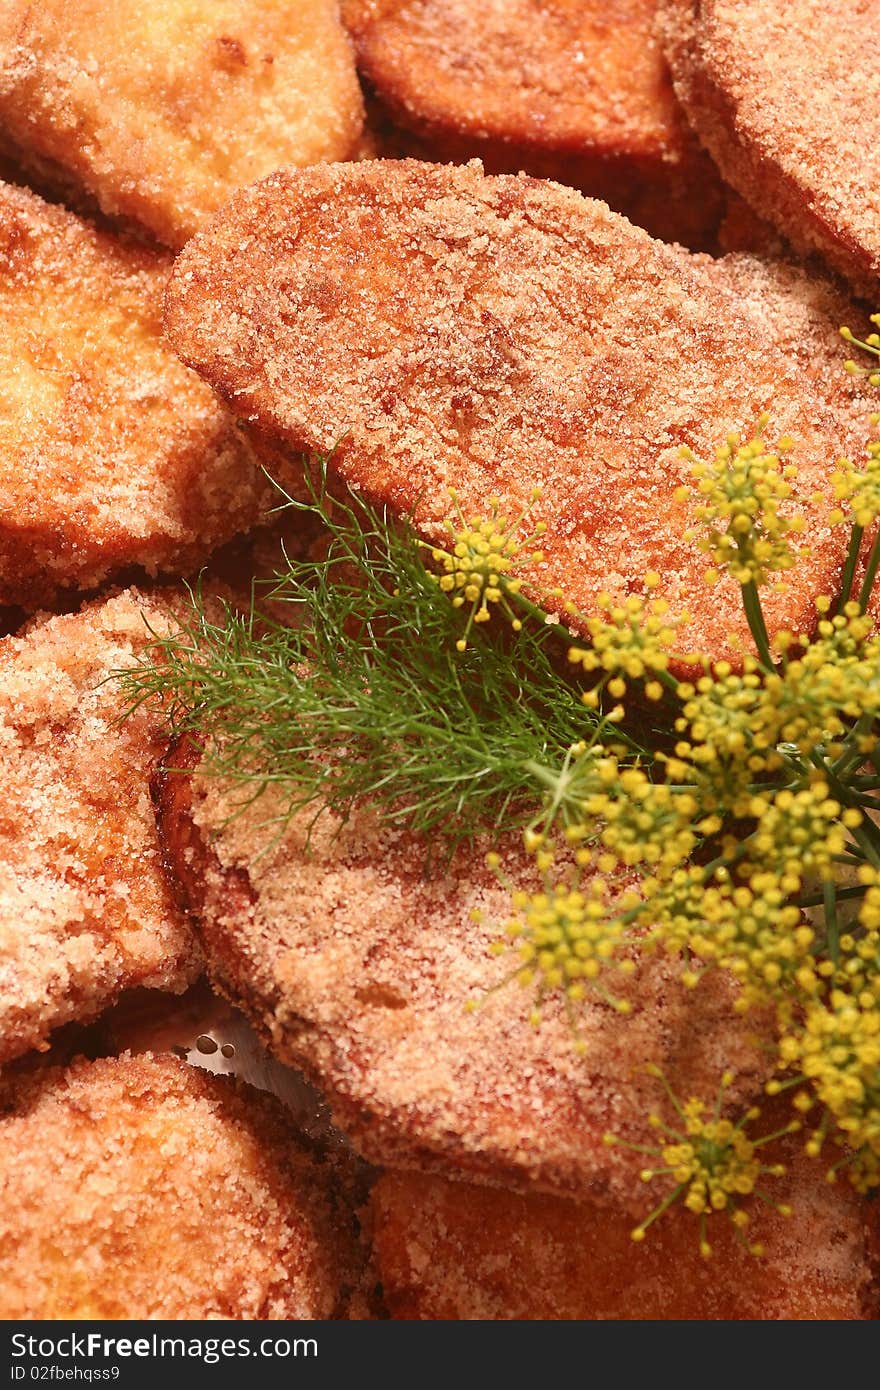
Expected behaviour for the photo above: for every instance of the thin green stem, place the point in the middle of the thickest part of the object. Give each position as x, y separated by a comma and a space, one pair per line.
841, 895
757, 626
867, 835
832, 930
870, 572
849, 568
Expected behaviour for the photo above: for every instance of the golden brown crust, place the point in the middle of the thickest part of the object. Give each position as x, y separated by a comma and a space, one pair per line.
572, 91
139, 1187
448, 1250
85, 909
111, 452
359, 968
442, 327
784, 97
159, 116
564, 75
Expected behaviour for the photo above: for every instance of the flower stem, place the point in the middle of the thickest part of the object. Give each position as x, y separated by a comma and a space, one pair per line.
870, 573
758, 628
832, 930
849, 568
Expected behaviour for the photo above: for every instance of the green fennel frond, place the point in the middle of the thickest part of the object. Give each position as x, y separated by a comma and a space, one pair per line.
362, 693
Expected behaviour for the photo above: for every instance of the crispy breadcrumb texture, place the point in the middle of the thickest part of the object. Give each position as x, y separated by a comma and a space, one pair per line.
159, 112
112, 453
576, 91
451, 1250
140, 1187
441, 327
360, 967
85, 908
786, 98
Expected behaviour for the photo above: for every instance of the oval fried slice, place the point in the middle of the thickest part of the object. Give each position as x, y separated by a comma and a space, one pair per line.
159, 112
85, 908
139, 1187
111, 453
576, 90
451, 1250
438, 327
784, 97
361, 967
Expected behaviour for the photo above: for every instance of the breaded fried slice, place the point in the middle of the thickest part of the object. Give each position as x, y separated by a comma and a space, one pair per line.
111, 453
140, 1187
577, 90
785, 98
160, 111
451, 1250
442, 327
85, 909
362, 969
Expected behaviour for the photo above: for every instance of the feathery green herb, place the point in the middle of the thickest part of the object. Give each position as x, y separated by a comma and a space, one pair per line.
362, 692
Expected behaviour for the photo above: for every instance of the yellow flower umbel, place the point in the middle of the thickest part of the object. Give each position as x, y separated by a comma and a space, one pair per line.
741, 526
731, 730
838, 1052
636, 821
832, 681
478, 570
858, 490
565, 937
800, 832
858, 965
711, 1161
750, 929
631, 640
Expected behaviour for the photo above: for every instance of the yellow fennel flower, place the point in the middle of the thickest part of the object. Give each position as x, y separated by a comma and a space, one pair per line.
478, 569
740, 494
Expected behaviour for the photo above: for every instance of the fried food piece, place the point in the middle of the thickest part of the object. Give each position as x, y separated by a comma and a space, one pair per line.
785, 99
440, 327
111, 453
575, 90
359, 968
452, 1250
85, 909
160, 111
139, 1187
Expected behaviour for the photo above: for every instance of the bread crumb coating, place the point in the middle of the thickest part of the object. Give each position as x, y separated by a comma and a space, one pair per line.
784, 96
436, 327
112, 454
452, 1250
140, 1187
159, 112
359, 966
85, 908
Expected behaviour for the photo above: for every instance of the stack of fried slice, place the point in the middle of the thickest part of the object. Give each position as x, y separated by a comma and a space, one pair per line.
132, 1188
432, 327
444, 328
